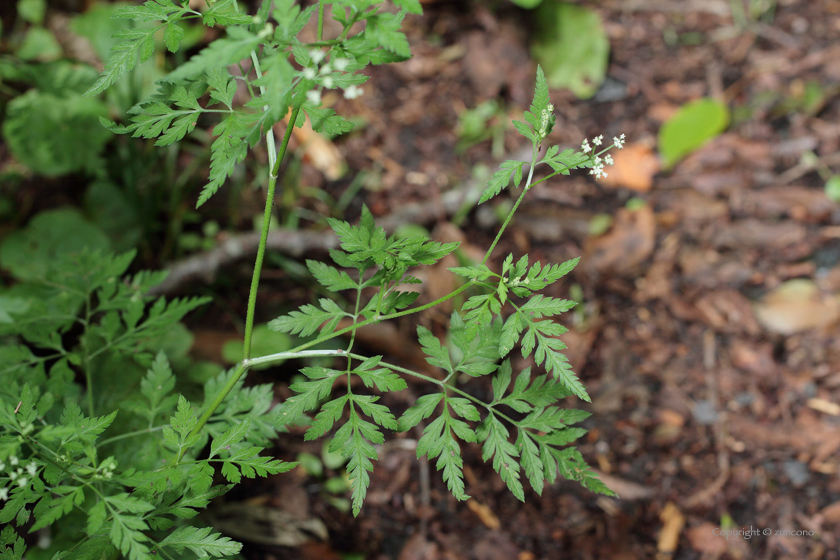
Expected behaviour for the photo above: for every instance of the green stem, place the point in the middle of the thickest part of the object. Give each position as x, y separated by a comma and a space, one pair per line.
130, 434
86, 359
243, 366
269, 135
515, 206
320, 20
269, 205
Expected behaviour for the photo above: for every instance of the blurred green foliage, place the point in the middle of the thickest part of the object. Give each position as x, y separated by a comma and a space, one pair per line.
692, 126
571, 46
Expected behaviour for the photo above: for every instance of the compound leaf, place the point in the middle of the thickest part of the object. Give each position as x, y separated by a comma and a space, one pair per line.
501, 179
310, 318
134, 44
201, 541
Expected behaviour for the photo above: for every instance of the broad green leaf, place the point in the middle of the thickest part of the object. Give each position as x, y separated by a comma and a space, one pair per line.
832, 188
33, 252
692, 126
571, 46
410, 6
32, 10
42, 129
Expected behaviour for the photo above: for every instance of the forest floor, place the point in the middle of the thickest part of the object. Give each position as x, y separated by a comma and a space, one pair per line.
715, 381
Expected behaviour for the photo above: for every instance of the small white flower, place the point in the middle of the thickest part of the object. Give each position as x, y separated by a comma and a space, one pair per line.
603, 175
352, 92
12, 476
313, 96
341, 64
4, 494
597, 161
608, 159
13, 460
309, 73
2, 466
22, 482
32, 468
327, 82
326, 68
317, 55
619, 141
586, 147
597, 141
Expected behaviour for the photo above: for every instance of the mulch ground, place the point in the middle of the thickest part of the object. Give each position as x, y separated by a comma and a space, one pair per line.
715, 379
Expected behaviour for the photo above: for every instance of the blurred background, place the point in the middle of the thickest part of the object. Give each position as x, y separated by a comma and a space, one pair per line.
707, 326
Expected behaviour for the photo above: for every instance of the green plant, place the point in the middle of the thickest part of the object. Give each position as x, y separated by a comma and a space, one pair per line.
692, 126
571, 44
480, 123
132, 490
746, 16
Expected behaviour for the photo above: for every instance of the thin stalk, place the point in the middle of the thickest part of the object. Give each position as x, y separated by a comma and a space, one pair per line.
269, 205
245, 364
131, 434
86, 358
320, 20
515, 206
269, 135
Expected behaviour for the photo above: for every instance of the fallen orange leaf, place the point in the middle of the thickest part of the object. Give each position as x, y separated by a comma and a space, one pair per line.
634, 168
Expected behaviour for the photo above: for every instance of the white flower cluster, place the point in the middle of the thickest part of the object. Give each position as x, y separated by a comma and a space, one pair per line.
106, 471
16, 475
545, 116
598, 163
324, 76
618, 141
